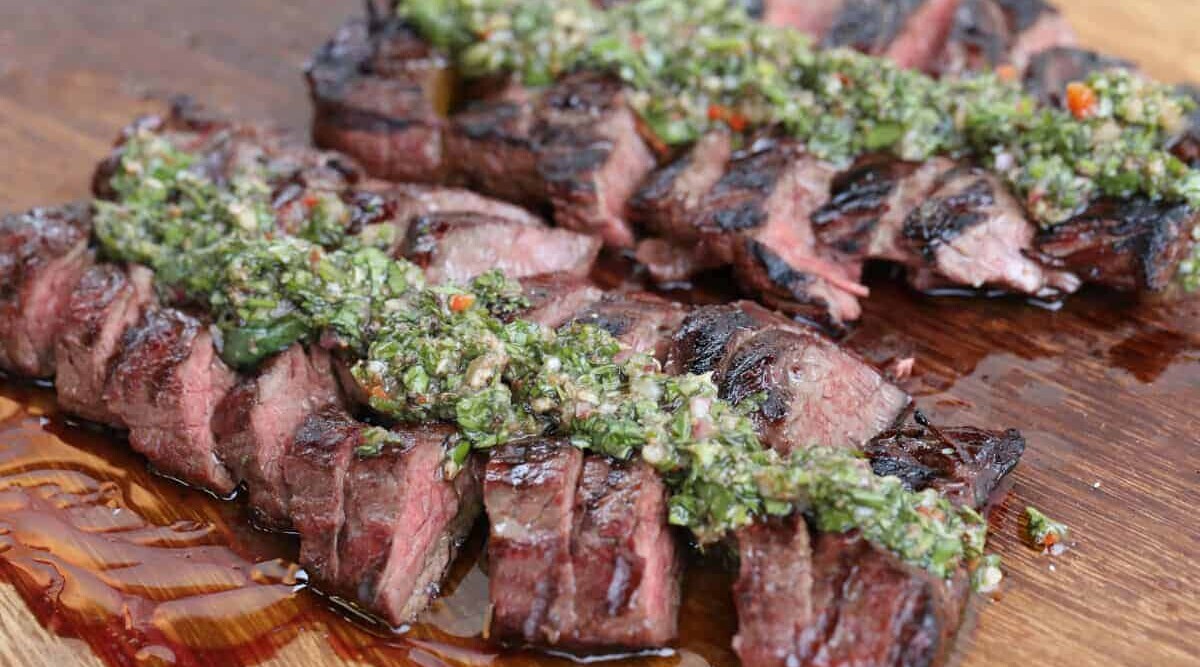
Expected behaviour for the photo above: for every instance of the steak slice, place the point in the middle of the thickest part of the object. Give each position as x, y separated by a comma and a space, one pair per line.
990, 33
812, 17
490, 146
910, 32
455, 247
165, 386
964, 464
703, 337
667, 206
643, 323
43, 254
810, 391
624, 558
864, 217
379, 94
757, 217
314, 474
972, 233
1050, 71
529, 490
555, 298
107, 301
1131, 244
404, 523
590, 155
845, 601
256, 422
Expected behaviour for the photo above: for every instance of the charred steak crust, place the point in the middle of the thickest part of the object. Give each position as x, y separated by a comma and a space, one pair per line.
43, 254
941, 220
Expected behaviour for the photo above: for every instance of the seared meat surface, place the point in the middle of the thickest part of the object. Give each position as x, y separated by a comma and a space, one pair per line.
910, 32
641, 322
990, 33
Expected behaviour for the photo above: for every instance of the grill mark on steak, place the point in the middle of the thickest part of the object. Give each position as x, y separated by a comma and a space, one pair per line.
107, 301
703, 337
810, 391
555, 299
910, 32
404, 523
529, 492
590, 155
256, 422
379, 93
43, 254
455, 247
165, 385
491, 148
1126, 244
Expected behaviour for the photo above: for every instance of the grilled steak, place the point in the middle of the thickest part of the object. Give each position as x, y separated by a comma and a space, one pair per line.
972, 233
555, 299
845, 601
1050, 71
107, 301
256, 422
964, 464
379, 94
165, 385
813, 17
624, 560
491, 148
989, 33
757, 218
43, 254
404, 523
590, 155
812, 392
910, 32
864, 217
1126, 244
580, 552
455, 247
642, 322
314, 474
703, 338
529, 492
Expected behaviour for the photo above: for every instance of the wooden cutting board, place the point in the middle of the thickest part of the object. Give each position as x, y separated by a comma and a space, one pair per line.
1106, 391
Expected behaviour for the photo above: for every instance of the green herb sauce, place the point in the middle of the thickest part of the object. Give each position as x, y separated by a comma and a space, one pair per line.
693, 65
1043, 531
455, 354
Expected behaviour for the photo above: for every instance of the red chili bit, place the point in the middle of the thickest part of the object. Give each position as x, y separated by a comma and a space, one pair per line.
1006, 73
1081, 100
461, 302
310, 201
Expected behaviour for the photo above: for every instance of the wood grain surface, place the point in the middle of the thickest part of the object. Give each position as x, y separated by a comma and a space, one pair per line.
1107, 392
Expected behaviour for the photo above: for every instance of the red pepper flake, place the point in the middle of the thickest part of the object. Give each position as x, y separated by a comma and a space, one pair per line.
310, 201
461, 302
1006, 73
717, 112
845, 79
736, 121
1081, 100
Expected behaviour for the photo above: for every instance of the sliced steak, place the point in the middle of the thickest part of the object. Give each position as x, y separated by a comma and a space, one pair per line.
413, 201
757, 218
990, 33
107, 301
165, 386
43, 254
1131, 244
972, 233
379, 94
257, 421
455, 247
1050, 71
810, 391
314, 474
529, 490
404, 523
625, 562
491, 148
910, 32
703, 337
864, 217
773, 591
643, 323
590, 155
964, 464
554, 298
667, 207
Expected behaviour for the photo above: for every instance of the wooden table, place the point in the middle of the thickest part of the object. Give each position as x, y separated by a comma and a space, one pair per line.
1106, 392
